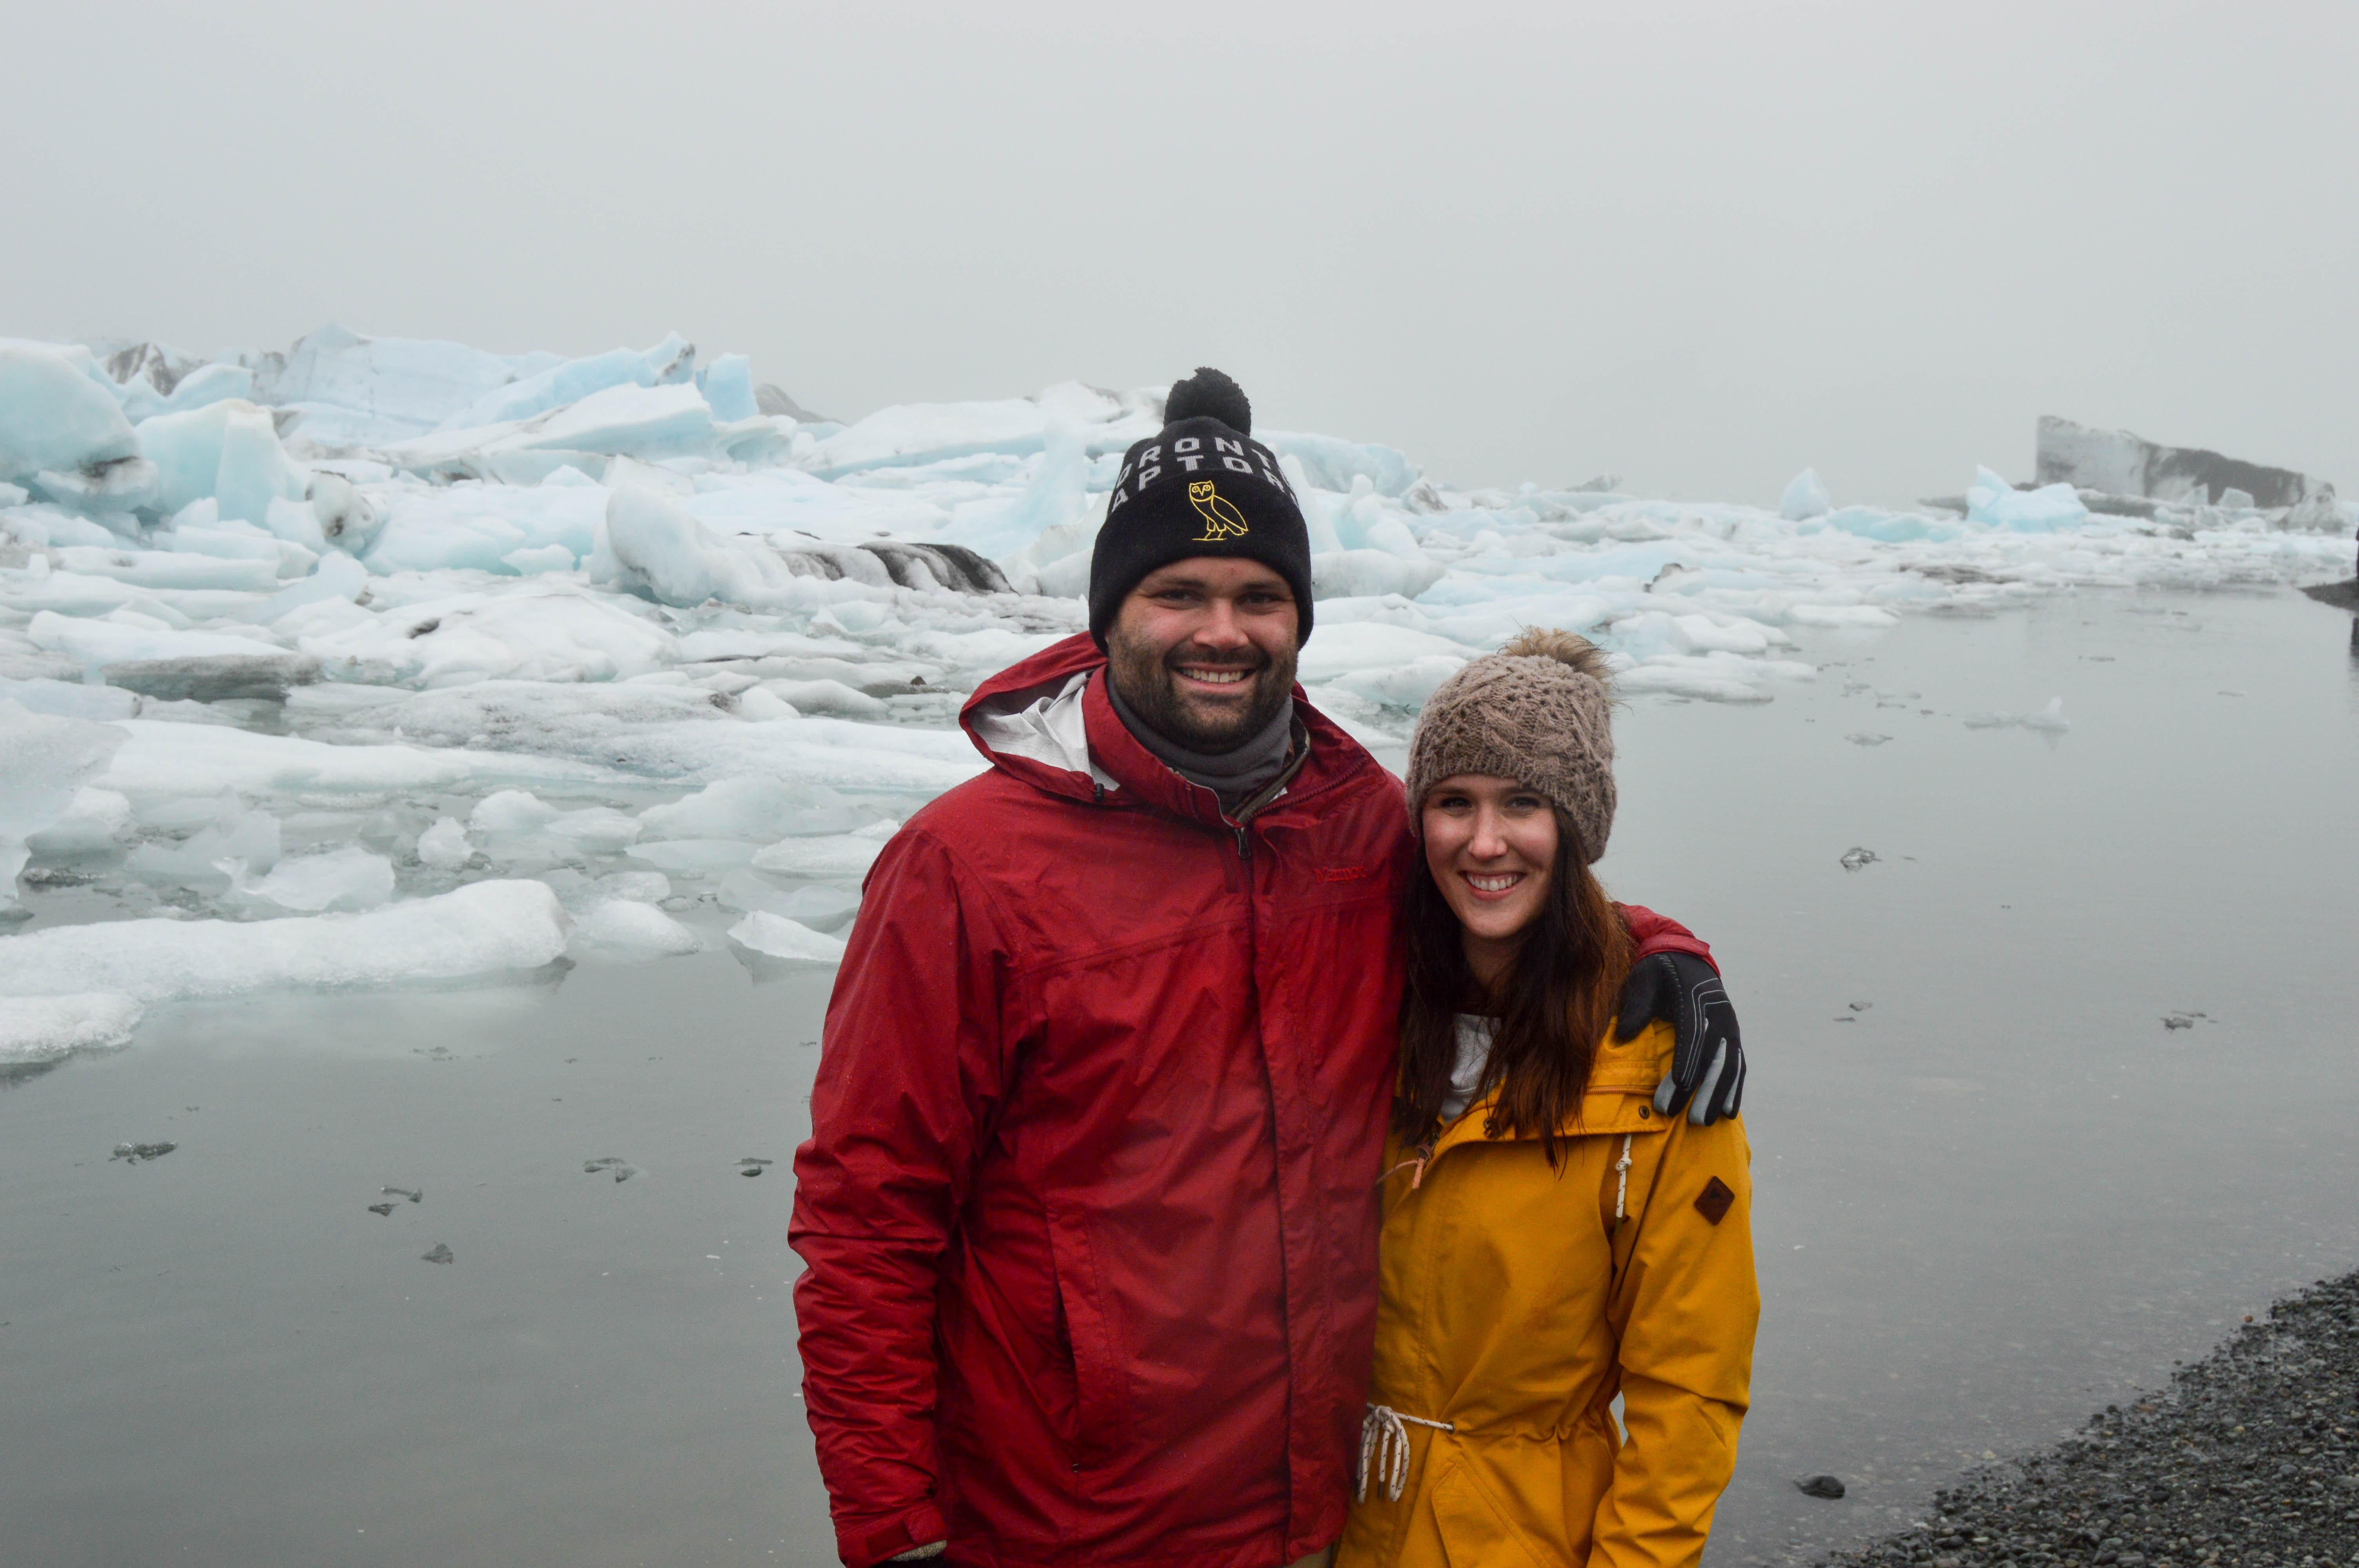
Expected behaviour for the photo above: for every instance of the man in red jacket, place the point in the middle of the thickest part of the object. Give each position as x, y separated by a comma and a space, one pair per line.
1089, 1208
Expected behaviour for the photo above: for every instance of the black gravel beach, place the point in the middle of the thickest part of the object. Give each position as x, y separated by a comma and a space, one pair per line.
2251, 1456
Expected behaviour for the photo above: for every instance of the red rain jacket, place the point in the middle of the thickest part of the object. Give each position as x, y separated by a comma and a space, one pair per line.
1088, 1209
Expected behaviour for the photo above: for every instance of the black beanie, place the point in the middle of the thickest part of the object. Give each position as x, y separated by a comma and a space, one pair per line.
1202, 487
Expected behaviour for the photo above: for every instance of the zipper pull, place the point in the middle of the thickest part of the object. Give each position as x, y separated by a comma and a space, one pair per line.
1245, 845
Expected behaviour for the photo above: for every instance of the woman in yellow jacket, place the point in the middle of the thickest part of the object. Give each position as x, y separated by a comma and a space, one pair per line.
1551, 1238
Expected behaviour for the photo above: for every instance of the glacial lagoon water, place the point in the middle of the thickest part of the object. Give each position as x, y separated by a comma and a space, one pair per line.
1996, 1189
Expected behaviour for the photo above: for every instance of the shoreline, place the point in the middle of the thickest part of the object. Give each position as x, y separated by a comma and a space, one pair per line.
2249, 1459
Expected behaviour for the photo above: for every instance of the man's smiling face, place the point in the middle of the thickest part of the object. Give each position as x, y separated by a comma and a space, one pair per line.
1203, 649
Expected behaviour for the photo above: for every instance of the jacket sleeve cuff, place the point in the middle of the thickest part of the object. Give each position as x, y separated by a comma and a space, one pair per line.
873, 1541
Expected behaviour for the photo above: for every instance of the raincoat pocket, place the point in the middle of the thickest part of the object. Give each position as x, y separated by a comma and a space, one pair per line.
1476, 1532
1098, 1374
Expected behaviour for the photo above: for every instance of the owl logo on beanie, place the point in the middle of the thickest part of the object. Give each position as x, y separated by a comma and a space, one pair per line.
1222, 519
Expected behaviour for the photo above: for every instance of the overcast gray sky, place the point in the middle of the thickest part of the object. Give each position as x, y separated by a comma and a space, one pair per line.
1699, 245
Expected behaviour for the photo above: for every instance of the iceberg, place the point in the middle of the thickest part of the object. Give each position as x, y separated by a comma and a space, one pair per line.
45, 761
367, 391
1805, 497
41, 1028
363, 619
227, 451
56, 414
347, 877
781, 937
1992, 500
482, 929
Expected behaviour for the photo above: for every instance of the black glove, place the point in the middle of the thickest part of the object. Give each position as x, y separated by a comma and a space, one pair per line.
1707, 1072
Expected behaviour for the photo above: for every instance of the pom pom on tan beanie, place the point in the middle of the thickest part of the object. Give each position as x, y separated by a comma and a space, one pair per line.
1537, 711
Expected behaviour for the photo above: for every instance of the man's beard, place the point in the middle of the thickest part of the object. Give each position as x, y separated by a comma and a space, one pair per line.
1151, 688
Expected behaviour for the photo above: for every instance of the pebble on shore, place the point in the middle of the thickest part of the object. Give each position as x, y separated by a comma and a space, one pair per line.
2249, 1460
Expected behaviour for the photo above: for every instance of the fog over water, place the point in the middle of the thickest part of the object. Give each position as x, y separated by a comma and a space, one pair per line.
1698, 245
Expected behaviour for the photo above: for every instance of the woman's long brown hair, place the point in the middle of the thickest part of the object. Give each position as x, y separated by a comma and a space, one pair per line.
1553, 1004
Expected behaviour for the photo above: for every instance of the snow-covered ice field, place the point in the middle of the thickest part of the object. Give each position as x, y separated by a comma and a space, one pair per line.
447, 769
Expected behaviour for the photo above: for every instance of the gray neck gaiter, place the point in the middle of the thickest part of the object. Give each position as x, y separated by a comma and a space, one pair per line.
1236, 776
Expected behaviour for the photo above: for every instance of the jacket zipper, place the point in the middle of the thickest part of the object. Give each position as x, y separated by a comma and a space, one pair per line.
1244, 844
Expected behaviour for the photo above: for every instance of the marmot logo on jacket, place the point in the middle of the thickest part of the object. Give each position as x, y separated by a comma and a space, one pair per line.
1222, 519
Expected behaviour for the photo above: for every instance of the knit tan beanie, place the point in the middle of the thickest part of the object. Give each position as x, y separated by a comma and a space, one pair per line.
1537, 711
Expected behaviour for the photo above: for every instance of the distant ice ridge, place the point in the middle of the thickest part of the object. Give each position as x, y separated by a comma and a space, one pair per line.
330, 635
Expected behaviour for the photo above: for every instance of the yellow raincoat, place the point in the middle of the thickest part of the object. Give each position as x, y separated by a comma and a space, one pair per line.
1516, 1307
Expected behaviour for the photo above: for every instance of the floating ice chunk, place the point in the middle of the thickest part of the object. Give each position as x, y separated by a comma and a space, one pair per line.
2050, 718
369, 391
1332, 463
839, 856
1891, 528
170, 569
345, 517
929, 432
598, 829
55, 415
697, 855
782, 939
228, 451
533, 560
40, 1028
761, 705
825, 697
1805, 497
165, 761
97, 820
1703, 685
337, 576
595, 722
239, 840
345, 878
758, 808
1339, 650
1993, 501
728, 384
642, 421
537, 632
45, 761
69, 699
119, 485
511, 814
103, 642
622, 929
1055, 498
820, 908
215, 677
485, 929
556, 386
479, 525
205, 384
658, 545
444, 845
1355, 574
1405, 685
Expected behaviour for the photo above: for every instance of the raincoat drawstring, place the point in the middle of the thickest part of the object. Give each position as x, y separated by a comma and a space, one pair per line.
1383, 1448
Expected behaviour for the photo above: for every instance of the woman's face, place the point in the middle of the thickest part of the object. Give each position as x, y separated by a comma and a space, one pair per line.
1490, 844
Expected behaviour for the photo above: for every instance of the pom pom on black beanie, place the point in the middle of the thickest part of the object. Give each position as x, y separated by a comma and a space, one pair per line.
1202, 486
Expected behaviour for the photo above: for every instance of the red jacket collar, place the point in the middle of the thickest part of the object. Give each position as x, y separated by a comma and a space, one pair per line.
1139, 775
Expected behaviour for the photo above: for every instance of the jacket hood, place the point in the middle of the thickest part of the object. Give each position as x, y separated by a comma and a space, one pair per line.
1046, 720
